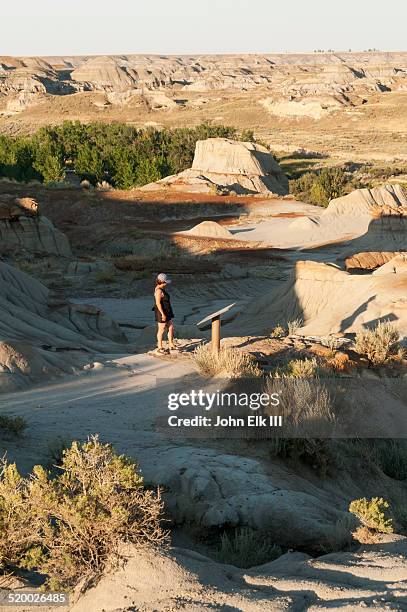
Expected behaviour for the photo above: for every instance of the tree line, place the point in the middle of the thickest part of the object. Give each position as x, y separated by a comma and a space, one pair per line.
120, 154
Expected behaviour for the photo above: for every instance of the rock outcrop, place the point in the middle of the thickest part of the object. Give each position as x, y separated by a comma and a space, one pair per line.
368, 261
23, 228
289, 77
329, 300
226, 166
209, 229
41, 335
365, 220
183, 579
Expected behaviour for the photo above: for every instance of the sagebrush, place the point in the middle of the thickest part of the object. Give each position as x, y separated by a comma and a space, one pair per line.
379, 344
373, 514
70, 527
230, 362
246, 548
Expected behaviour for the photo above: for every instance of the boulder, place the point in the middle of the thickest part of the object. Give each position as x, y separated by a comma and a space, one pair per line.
227, 166
23, 228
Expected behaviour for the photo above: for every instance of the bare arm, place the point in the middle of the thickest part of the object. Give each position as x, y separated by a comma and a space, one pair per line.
158, 297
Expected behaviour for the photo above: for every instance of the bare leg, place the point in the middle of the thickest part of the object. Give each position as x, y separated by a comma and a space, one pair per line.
160, 334
171, 334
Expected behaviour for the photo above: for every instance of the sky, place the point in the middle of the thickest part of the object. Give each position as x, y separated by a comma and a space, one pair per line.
82, 27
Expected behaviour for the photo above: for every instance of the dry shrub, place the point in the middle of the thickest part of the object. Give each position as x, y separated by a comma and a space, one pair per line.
70, 527
278, 332
105, 278
309, 420
229, 362
364, 535
306, 404
17, 531
373, 514
340, 362
341, 535
294, 326
302, 368
247, 548
378, 344
12, 425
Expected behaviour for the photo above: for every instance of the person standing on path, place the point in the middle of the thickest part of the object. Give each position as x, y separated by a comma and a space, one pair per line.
164, 314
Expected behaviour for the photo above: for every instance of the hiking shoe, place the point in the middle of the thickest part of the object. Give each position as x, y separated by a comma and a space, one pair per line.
162, 351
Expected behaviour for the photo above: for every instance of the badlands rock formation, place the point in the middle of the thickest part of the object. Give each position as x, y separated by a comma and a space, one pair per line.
369, 218
209, 229
370, 260
329, 300
222, 165
186, 580
291, 76
41, 335
23, 228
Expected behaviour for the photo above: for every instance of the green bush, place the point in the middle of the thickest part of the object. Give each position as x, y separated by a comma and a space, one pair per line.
12, 425
70, 527
373, 514
123, 155
322, 187
247, 548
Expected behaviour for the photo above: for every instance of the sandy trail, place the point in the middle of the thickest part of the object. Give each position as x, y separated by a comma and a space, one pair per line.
117, 401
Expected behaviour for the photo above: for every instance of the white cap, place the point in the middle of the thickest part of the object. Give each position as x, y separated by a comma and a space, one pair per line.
163, 278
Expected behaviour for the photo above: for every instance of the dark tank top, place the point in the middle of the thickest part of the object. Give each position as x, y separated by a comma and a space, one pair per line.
166, 306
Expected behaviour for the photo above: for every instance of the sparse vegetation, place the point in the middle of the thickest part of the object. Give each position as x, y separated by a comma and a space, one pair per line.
106, 277
70, 527
294, 325
373, 514
56, 449
278, 332
230, 362
321, 186
302, 368
14, 426
309, 421
391, 457
379, 344
341, 536
246, 548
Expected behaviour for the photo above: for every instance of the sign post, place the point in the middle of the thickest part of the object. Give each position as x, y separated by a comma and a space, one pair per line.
216, 334
214, 319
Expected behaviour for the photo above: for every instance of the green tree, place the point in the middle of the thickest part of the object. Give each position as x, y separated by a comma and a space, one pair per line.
147, 171
123, 173
329, 184
49, 165
89, 163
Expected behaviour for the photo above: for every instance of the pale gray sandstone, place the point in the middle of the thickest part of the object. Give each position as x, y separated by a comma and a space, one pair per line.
42, 335
373, 576
22, 227
222, 165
